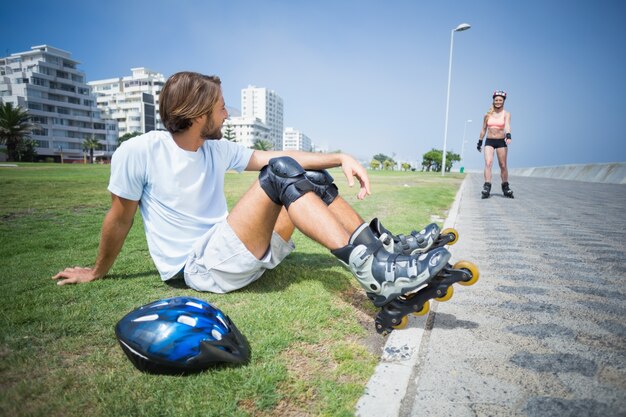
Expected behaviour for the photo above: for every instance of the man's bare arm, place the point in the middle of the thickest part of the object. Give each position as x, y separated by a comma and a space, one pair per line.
115, 228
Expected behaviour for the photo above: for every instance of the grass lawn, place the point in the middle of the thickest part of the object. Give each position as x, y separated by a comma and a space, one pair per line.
308, 322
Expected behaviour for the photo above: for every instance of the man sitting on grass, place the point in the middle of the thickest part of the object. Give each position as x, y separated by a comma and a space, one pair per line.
176, 178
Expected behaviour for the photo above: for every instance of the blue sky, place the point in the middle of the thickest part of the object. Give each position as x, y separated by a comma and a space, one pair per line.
370, 77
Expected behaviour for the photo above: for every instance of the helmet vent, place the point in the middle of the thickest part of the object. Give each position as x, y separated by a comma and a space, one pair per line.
189, 321
149, 317
216, 335
194, 304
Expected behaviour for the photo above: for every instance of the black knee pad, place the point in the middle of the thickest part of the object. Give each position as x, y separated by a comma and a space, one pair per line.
284, 180
323, 185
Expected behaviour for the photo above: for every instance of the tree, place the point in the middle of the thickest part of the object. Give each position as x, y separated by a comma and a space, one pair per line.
385, 161
406, 166
89, 145
27, 151
431, 160
15, 130
450, 158
375, 164
127, 136
229, 133
262, 145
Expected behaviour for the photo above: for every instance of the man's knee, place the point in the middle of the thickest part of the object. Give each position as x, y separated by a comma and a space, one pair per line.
323, 184
284, 180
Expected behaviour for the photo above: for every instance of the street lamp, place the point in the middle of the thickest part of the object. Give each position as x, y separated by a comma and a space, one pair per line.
459, 28
464, 141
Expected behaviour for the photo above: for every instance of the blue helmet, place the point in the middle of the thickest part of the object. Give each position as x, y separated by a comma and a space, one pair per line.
180, 335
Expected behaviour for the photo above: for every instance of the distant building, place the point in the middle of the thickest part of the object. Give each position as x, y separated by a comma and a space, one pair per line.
267, 106
247, 130
133, 101
296, 140
45, 82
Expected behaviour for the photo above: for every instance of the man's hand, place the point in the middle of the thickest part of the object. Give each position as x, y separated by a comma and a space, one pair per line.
76, 275
351, 168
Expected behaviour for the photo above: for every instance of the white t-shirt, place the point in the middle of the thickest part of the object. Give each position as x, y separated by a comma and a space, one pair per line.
180, 193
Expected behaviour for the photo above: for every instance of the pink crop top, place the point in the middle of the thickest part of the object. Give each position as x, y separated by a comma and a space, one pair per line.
495, 123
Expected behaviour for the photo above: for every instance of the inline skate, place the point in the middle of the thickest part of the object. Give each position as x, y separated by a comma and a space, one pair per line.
428, 238
401, 284
394, 315
486, 190
506, 190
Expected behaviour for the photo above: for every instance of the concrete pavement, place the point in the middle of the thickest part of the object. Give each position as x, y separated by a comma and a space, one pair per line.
543, 333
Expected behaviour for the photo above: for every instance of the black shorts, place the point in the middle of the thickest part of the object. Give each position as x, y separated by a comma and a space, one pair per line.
496, 143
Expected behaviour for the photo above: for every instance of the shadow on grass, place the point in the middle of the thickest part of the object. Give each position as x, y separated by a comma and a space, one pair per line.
324, 268
296, 268
299, 267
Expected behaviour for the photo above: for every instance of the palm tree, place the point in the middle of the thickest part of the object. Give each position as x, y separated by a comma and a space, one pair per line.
90, 144
262, 145
229, 133
15, 129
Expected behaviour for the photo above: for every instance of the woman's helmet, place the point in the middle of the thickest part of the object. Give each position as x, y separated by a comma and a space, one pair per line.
180, 335
500, 93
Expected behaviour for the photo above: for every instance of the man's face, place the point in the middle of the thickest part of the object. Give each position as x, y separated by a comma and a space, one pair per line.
212, 128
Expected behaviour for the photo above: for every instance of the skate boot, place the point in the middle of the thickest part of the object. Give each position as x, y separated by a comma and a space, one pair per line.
384, 275
486, 190
428, 238
506, 190
394, 315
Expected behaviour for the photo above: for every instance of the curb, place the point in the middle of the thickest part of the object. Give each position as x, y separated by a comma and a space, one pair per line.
388, 386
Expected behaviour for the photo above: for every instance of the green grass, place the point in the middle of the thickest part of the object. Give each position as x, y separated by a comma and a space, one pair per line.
307, 321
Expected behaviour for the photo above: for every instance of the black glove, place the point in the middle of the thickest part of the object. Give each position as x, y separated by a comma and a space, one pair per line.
479, 145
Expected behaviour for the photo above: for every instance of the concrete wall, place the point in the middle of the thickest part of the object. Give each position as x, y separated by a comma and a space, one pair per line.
611, 173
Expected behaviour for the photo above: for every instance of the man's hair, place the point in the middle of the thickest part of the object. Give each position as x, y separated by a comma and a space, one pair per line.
185, 96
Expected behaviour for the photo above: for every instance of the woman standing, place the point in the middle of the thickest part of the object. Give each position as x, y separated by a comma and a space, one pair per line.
497, 125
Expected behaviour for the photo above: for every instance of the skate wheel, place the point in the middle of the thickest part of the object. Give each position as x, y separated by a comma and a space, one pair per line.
447, 296
452, 235
403, 323
469, 267
425, 309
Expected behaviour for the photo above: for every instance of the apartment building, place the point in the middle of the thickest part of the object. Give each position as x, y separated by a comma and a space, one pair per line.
46, 82
133, 101
267, 106
295, 140
247, 130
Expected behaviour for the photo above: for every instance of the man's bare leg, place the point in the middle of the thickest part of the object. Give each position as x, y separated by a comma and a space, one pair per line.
255, 217
346, 215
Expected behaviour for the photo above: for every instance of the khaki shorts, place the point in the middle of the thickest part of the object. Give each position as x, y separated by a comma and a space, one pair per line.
221, 263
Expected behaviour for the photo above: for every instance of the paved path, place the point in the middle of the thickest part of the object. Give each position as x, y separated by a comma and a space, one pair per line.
543, 333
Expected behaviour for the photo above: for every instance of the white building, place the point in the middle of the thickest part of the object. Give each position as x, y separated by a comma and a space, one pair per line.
295, 140
267, 106
133, 101
247, 130
46, 82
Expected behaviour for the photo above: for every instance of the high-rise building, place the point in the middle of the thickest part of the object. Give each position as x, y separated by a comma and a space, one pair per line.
46, 82
267, 106
295, 140
133, 101
246, 130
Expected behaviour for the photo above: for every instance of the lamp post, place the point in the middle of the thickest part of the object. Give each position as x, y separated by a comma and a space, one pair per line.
459, 28
464, 141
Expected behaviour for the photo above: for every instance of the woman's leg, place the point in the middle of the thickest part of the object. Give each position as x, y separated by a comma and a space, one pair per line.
488, 162
504, 172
